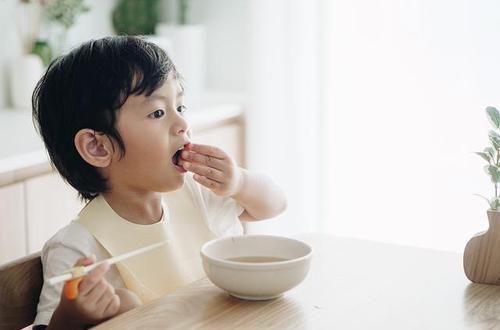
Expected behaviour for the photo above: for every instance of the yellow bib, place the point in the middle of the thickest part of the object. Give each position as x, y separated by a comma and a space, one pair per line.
162, 270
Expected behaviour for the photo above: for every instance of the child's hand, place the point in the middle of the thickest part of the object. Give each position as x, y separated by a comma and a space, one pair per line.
128, 300
213, 168
96, 300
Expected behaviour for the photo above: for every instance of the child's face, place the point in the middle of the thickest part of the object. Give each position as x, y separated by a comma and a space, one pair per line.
152, 129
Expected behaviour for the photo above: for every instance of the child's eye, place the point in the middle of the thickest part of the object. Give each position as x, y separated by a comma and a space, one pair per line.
157, 114
181, 109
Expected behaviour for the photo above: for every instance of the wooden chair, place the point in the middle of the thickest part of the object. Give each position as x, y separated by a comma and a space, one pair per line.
20, 285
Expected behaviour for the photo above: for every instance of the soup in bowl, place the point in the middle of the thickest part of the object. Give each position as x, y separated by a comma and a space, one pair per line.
256, 267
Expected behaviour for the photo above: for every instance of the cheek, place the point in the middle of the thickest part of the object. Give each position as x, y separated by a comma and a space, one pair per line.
145, 148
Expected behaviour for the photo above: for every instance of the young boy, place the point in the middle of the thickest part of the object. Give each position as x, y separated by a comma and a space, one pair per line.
111, 115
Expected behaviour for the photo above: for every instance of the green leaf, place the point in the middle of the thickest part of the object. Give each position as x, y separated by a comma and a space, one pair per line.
493, 116
485, 156
495, 203
486, 199
494, 138
493, 173
490, 151
494, 134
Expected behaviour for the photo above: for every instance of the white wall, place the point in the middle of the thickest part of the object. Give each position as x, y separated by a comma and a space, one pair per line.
226, 24
407, 85
282, 117
10, 46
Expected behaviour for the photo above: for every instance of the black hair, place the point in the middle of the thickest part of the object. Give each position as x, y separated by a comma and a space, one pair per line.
85, 89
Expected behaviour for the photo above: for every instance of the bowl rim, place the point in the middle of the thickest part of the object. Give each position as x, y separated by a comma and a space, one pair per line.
238, 264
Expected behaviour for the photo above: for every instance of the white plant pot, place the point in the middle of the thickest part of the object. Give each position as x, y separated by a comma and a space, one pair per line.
188, 54
162, 42
25, 72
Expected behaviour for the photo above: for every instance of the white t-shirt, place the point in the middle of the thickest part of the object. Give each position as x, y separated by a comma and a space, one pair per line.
74, 241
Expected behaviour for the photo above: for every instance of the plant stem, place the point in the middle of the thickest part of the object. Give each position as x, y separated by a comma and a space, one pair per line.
183, 7
496, 184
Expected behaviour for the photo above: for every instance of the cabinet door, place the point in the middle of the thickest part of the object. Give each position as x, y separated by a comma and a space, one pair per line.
228, 137
12, 223
50, 205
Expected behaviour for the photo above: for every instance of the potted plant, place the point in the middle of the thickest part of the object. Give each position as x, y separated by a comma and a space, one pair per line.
61, 16
482, 252
135, 17
25, 70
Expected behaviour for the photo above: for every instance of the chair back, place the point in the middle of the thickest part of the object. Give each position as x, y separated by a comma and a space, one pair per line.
20, 284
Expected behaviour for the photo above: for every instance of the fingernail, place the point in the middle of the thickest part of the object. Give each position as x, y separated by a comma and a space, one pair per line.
187, 165
185, 154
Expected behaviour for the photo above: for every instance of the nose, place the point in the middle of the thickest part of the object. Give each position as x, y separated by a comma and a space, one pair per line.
181, 126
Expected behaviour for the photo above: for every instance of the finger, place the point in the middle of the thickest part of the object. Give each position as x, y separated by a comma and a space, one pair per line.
97, 291
206, 160
92, 278
85, 261
208, 150
104, 300
70, 287
113, 306
209, 172
211, 184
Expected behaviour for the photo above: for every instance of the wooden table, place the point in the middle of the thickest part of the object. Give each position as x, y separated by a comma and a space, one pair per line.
352, 284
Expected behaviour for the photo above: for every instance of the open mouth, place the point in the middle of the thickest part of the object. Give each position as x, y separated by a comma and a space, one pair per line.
176, 159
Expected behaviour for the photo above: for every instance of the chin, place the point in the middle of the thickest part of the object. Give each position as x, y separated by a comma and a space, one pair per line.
174, 184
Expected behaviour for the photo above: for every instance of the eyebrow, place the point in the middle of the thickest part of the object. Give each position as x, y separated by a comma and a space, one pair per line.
153, 97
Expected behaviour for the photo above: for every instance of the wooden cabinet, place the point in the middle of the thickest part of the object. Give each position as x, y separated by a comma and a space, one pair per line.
12, 223
51, 204
228, 137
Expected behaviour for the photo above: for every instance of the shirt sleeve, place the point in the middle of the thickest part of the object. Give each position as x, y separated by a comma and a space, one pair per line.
60, 254
222, 212
56, 258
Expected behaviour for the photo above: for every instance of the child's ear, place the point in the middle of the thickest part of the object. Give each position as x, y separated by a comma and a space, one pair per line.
95, 148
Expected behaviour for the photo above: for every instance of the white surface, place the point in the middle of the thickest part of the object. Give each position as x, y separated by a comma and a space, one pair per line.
282, 119
17, 135
227, 46
256, 281
25, 71
402, 88
407, 85
188, 55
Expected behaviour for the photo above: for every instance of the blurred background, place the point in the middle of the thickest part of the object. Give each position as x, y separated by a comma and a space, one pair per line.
366, 112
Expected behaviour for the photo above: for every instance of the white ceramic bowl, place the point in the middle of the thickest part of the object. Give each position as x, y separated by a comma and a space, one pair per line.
256, 280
